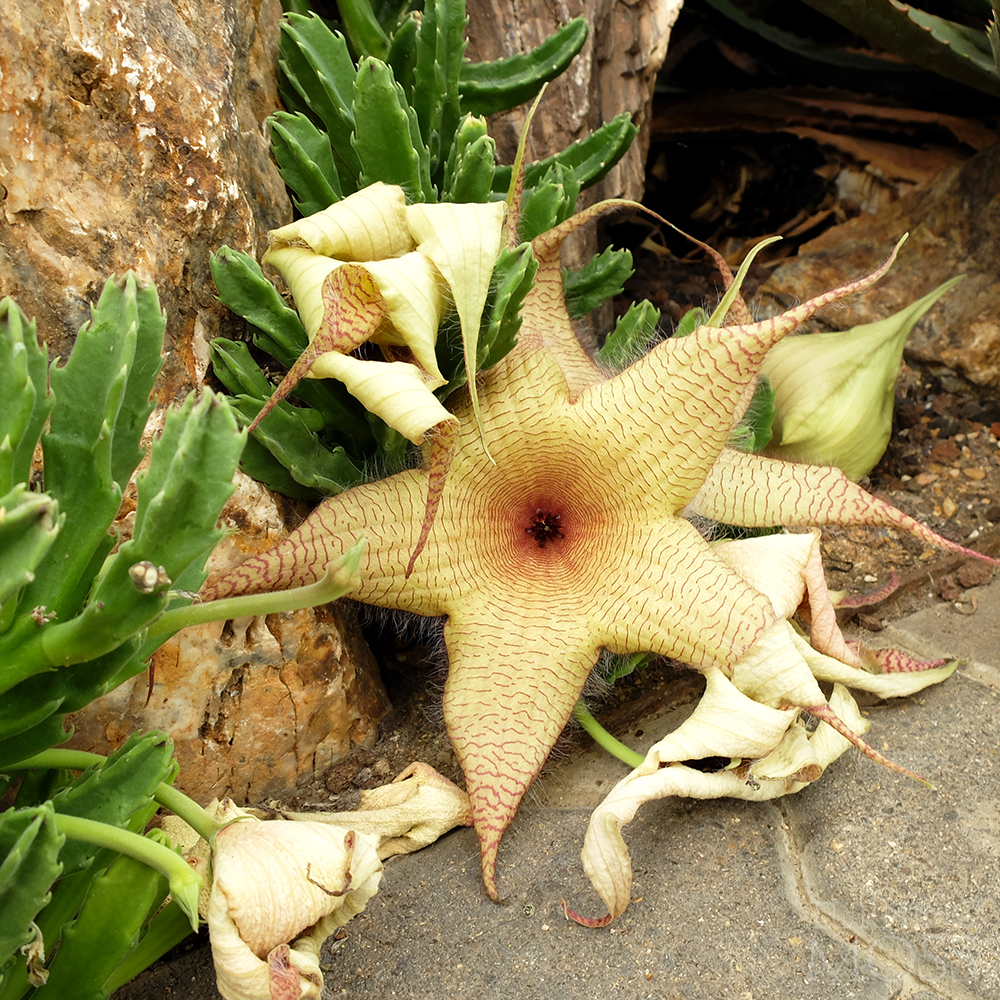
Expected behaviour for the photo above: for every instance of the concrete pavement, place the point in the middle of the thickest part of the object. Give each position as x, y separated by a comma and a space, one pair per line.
866, 885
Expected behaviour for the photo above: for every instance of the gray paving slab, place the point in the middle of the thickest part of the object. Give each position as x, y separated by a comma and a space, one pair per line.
711, 918
912, 873
945, 629
867, 885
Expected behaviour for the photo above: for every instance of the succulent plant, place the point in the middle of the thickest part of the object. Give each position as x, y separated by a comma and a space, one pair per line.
76, 600
411, 118
948, 47
81, 610
955, 47
76, 606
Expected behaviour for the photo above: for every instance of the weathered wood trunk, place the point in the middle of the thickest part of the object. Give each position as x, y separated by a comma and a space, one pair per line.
615, 72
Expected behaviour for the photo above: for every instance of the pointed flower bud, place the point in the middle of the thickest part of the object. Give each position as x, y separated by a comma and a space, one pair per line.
834, 391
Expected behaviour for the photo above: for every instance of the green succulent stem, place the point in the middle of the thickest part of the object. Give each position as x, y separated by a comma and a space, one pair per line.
196, 817
363, 29
603, 738
341, 577
168, 928
62, 759
185, 883
169, 797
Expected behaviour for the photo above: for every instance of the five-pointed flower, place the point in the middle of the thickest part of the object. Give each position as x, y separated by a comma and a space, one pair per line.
573, 539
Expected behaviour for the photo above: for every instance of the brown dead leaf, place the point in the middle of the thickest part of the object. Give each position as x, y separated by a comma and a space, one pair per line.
891, 159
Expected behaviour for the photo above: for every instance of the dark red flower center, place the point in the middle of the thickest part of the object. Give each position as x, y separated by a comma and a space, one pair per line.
544, 527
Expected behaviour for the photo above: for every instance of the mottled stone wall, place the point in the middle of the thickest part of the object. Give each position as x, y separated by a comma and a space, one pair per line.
132, 136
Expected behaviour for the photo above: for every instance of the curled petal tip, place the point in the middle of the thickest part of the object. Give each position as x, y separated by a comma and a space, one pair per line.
586, 921
490, 874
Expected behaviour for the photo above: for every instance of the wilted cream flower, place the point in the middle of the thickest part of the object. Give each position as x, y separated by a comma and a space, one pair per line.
413, 810
834, 391
276, 889
753, 715
279, 890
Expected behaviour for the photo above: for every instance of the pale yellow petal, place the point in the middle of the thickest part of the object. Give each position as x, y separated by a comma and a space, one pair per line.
411, 289
605, 856
239, 973
794, 757
463, 240
774, 672
416, 808
774, 564
260, 869
367, 225
394, 390
826, 741
304, 272
726, 723
888, 685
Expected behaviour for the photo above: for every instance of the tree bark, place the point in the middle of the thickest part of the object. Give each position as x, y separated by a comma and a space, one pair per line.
614, 72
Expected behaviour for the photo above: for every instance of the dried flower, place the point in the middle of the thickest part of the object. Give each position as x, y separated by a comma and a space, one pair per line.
279, 889
751, 714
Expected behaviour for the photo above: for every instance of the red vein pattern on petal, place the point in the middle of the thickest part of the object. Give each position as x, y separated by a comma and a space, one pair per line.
756, 492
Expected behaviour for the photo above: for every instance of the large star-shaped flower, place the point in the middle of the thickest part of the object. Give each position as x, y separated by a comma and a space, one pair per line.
573, 538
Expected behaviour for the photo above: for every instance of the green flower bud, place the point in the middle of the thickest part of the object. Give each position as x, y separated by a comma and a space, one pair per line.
834, 391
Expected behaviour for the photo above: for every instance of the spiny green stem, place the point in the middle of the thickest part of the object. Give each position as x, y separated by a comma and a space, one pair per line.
169, 797
603, 738
185, 883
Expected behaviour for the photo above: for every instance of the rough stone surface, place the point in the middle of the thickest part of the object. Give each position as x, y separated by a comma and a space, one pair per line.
257, 707
614, 72
953, 223
132, 137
